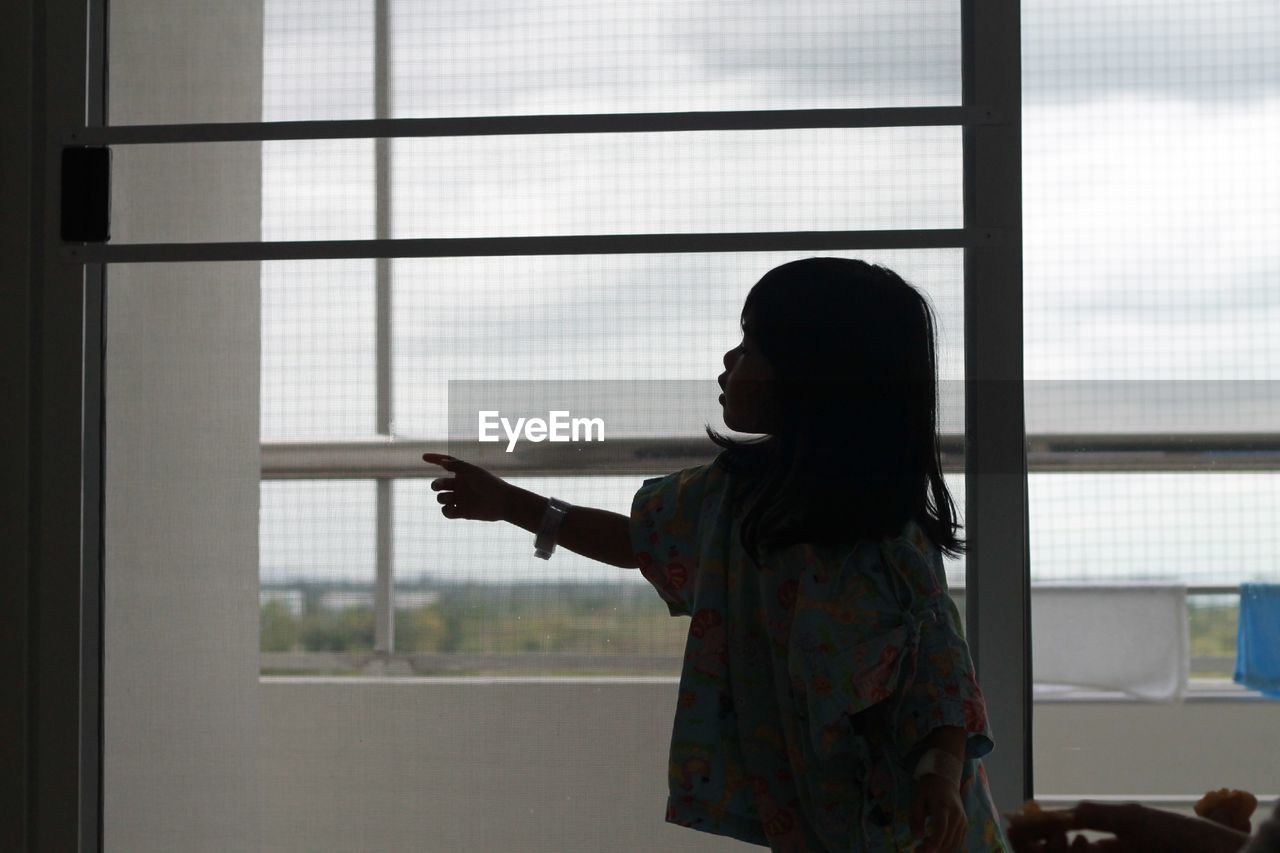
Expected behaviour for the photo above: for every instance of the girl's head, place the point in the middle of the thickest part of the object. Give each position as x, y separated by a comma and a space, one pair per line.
838, 367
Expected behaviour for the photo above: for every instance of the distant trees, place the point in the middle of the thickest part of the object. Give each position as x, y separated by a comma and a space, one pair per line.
477, 618
278, 630
579, 619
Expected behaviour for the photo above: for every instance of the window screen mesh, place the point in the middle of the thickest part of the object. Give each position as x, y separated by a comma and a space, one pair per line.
472, 588
548, 57
1150, 205
817, 179
575, 317
1150, 202
201, 754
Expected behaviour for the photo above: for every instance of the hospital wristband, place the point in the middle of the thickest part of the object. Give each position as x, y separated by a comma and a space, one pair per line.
544, 543
940, 763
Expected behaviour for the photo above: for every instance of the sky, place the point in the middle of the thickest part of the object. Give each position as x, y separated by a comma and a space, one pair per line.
1151, 196
1150, 183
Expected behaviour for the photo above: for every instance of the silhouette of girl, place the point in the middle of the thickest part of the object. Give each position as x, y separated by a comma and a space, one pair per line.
827, 700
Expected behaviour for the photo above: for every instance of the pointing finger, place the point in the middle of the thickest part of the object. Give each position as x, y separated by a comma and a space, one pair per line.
444, 461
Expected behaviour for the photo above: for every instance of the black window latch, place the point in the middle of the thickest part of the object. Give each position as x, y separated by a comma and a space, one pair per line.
86, 194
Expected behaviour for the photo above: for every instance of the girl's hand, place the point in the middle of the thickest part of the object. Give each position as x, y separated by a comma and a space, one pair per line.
471, 492
938, 799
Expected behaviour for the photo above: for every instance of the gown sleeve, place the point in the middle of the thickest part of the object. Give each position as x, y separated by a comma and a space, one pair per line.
943, 690
665, 515
889, 637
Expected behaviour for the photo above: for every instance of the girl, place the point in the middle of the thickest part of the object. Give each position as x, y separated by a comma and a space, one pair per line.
827, 700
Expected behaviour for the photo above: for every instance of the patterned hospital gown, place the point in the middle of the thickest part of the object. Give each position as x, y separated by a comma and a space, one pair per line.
809, 681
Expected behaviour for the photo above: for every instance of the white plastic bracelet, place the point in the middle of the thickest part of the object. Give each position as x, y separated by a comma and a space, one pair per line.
941, 763
544, 543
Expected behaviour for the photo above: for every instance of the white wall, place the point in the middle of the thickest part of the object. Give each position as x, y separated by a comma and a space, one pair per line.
181, 447
1176, 749
413, 765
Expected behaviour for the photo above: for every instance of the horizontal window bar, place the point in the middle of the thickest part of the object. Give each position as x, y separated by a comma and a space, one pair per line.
458, 247
404, 668
958, 590
1199, 691
633, 456
403, 459
1158, 801
444, 663
465, 680
506, 125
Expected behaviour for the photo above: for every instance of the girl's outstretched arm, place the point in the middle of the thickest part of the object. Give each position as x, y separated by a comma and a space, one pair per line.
596, 533
474, 493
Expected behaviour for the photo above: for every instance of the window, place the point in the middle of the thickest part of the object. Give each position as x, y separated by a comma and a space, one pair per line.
1150, 299
359, 572
411, 212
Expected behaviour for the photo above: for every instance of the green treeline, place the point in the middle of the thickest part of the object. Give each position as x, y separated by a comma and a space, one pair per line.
476, 618
561, 618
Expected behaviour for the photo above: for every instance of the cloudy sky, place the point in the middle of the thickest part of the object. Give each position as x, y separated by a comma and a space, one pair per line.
1151, 190
1151, 206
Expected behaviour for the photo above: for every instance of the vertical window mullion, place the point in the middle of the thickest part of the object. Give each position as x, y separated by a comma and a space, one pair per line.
997, 566
384, 601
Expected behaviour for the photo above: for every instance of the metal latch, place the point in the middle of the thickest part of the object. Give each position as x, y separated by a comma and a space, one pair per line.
86, 194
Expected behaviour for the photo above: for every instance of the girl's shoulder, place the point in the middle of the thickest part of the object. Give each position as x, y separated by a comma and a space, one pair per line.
915, 558
913, 537
909, 557
911, 542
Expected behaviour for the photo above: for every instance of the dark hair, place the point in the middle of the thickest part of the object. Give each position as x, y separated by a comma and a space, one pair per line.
855, 452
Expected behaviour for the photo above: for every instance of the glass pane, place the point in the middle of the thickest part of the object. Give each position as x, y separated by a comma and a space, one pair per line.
664, 317
214, 577
317, 60
778, 180
1201, 528
495, 599
562, 184
1149, 208
288, 190
318, 350
575, 318
546, 57
473, 596
316, 576
314, 60
470, 591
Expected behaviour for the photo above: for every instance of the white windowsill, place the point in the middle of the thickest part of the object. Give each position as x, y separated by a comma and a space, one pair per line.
1198, 690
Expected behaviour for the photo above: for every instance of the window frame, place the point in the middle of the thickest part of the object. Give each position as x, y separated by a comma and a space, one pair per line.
70, 60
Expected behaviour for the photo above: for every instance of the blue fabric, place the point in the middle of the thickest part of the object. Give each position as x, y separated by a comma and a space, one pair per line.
1258, 641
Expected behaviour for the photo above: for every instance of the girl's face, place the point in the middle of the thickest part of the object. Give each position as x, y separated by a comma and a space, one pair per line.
748, 389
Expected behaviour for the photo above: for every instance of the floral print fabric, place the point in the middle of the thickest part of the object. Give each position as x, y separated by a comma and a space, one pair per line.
809, 681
